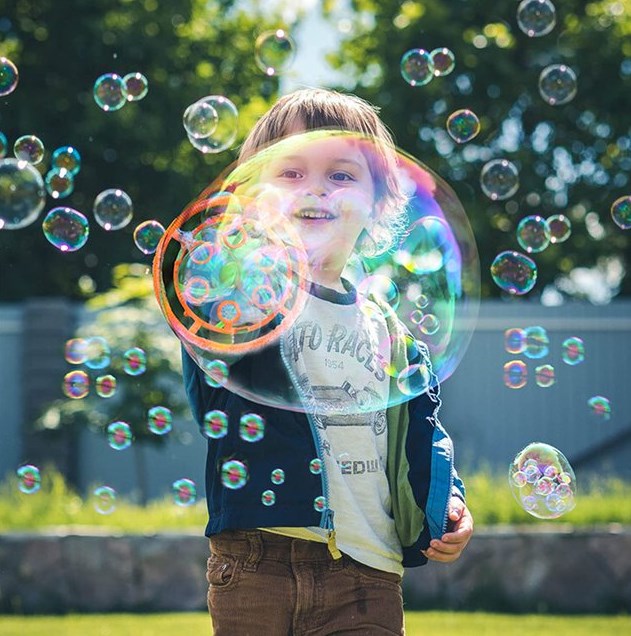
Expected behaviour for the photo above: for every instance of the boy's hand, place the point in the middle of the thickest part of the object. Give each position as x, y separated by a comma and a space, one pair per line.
450, 546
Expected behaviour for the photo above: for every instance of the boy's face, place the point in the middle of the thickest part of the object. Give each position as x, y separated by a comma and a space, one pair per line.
327, 194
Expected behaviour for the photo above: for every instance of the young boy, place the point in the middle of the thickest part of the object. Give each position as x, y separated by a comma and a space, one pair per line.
352, 480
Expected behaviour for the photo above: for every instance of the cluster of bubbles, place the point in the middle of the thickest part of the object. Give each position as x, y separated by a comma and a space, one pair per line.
419, 67
211, 123
274, 51
542, 481
111, 91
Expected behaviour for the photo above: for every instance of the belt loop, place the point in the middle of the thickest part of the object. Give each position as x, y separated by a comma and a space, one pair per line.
256, 551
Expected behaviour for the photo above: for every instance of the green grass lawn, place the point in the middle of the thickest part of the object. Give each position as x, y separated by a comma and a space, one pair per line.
417, 624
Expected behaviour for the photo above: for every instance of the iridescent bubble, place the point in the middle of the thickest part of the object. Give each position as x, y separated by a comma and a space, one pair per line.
200, 120
119, 435
557, 84
66, 229
22, 194
29, 148
544, 376
268, 497
515, 340
105, 386
98, 353
549, 489
444, 61
216, 373
278, 476
414, 379
29, 479
134, 361
499, 179
113, 209
515, 374
533, 234
215, 424
76, 351
573, 351
9, 76
225, 131
234, 474
600, 407
136, 85
184, 492
319, 504
560, 228
104, 498
66, 158
147, 235
536, 17
514, 272
621, 212
59, 183
537, 343
463, 125
110, 92
429, 325
4, 145
274, 51
251, 427
76, 384
417, 67
315, 466
159, 420
380, 287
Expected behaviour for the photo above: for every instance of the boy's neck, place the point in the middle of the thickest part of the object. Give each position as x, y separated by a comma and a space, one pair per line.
328, 278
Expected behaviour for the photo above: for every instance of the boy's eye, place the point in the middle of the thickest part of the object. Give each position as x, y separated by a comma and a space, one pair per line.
342, 176
290, 174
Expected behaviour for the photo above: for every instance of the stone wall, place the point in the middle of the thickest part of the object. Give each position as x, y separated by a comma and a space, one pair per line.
501, 570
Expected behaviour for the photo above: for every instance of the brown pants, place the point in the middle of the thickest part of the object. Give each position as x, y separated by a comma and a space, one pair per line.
263, 584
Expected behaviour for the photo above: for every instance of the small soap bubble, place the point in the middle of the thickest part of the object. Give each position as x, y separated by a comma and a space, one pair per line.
537, 343
76, 384
557, 84
515, 340
22, 194
544, 376
499, 179
59, 183
98, 353
417, 67
224, 133
536, 17
600, 407
66, 229
29, 148
251, 427
134, 361
110, 92
147, 235
200, 120
104, 498
215, 424
515, 374
549, 487
234, 474
113, 209
105, 386
560, 228
9, 76
184, 492
66, 158
621, 212
429, 324
268, 497
29, 479
319, 504
413, 379
119, 435
278, 476
514, 272
463, 125
573, 351
315, 466
159, 420
4, 145
274, 51
216, 373
76, 351
136, 85
444, 61
533, 234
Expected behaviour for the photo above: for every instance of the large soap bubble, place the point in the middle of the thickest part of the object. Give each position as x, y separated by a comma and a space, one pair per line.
241, 272
542, 481
220, 124
22, 194
275, 51
9, 76
557, 84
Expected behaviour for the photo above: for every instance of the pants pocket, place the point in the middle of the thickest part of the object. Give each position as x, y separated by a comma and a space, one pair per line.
221, 571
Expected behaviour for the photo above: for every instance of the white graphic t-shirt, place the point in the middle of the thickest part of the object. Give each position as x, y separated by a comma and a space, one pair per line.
337, 350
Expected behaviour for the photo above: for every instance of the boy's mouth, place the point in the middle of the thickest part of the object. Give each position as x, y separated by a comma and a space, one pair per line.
314, 214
